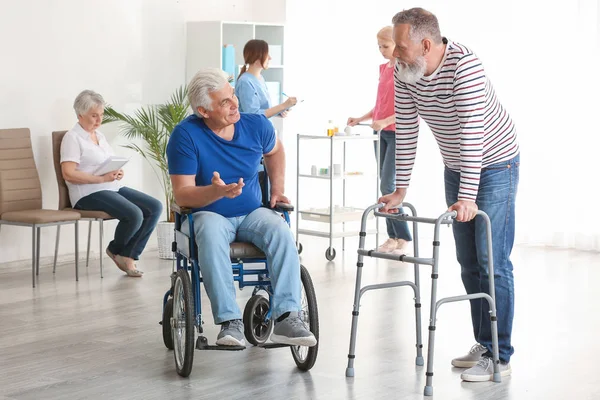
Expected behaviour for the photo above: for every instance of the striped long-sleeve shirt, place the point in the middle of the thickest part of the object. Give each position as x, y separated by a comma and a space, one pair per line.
470, 125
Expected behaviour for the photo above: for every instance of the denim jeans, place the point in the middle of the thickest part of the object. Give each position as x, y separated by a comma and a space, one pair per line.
496, 196
137, 213
266, 230
387, 173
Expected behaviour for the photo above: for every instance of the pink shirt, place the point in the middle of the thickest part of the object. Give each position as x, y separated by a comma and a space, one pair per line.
384, 106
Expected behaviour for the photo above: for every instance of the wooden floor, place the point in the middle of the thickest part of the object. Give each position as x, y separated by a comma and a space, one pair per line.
100, 338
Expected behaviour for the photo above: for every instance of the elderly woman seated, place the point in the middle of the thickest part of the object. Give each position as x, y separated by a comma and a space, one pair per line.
84, 148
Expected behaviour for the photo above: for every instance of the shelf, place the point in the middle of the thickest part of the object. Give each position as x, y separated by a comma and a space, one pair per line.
340, 214
270, 66
336, 177
310, 232
339, 138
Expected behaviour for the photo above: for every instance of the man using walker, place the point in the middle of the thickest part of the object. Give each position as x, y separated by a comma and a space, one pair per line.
445, 84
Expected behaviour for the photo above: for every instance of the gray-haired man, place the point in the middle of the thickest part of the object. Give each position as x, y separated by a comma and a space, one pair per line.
445, 84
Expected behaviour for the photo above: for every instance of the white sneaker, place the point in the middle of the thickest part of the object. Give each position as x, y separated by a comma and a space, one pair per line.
401, 247
389, 246
484, 371
471, 359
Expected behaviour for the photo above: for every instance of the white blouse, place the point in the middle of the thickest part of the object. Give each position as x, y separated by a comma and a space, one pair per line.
77, 146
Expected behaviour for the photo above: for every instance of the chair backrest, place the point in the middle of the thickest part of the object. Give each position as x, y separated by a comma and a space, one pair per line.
20, 187
63, 191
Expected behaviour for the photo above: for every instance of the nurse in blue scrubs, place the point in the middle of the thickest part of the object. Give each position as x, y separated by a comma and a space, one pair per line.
251, 89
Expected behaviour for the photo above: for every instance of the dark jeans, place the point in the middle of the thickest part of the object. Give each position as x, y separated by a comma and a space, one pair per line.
496, 196
387, 173
137, 213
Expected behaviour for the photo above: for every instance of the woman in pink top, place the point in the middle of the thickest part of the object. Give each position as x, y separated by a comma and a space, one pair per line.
383, 119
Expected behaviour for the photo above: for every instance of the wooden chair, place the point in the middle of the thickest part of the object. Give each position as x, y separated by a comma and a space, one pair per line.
64, 203
21, 195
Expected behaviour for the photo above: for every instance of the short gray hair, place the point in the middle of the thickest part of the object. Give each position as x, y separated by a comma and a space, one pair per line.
202, 84
87, 100
423, 24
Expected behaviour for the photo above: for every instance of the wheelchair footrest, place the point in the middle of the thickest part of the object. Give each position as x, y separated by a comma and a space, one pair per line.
273, 345
202, 344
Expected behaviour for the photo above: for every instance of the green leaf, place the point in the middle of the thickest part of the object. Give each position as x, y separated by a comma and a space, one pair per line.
151, 126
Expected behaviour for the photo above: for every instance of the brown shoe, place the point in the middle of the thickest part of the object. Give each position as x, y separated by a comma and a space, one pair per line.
118, 262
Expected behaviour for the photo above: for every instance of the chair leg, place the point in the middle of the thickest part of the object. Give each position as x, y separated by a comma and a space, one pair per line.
77, 251
87, 258
56, 247
101, 234
33, 242
37, 258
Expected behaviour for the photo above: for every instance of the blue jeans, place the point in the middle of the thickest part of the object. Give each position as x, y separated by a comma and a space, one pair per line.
387, 173
266, 230
137, 213
496, 196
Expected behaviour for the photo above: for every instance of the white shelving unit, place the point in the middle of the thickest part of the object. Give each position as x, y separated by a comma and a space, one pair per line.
332, 215
205, 41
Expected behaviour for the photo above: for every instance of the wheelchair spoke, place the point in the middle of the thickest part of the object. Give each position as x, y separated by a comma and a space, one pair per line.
305, 356
182, 324
179, 323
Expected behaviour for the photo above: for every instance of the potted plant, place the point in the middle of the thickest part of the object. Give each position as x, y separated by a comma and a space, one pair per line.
152, 125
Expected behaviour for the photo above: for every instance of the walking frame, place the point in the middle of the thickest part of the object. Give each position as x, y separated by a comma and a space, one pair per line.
446, 218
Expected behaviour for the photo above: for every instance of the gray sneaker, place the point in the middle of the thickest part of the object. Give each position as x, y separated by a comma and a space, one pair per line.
471, 359
232, 333
484, 371
293, 331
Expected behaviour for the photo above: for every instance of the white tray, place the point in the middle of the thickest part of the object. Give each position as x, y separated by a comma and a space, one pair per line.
340, 214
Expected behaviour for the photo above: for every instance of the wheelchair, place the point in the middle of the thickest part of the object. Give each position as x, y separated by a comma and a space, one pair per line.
182, 312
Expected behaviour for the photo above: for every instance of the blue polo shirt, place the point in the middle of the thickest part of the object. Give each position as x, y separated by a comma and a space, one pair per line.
194, 149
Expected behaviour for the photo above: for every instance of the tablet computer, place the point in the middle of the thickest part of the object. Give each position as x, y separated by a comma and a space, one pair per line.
112, 163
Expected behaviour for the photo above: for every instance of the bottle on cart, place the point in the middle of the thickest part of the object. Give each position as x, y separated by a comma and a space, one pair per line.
330, 128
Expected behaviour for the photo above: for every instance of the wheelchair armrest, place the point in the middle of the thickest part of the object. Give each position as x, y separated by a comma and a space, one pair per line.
180, 210
283, 207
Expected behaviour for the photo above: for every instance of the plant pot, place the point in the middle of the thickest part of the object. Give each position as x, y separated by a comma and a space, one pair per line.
165, 232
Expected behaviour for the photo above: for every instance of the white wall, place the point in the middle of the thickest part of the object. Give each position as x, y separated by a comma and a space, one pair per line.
542, 61
132, 52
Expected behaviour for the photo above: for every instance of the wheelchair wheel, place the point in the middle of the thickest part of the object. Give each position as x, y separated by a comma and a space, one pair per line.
166, 324
304, 356
182, 327
256, 330
299, 248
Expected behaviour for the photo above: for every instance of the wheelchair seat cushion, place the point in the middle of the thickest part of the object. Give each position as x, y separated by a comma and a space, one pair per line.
244, 250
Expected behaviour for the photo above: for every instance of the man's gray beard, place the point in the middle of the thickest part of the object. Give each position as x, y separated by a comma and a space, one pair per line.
412, 73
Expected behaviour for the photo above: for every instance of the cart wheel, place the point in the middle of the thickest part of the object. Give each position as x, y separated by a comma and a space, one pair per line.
304, 356
182, 325
299, 248
330, 253
166, 324
256, 329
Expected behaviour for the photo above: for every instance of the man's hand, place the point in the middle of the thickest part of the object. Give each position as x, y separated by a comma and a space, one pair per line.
392, 201
284, 114
278, 198
230, 191
465, 210
120, 174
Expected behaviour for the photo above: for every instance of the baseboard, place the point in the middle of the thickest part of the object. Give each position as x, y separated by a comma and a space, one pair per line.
68, 258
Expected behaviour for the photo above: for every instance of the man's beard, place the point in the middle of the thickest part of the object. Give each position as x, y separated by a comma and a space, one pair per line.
411, 73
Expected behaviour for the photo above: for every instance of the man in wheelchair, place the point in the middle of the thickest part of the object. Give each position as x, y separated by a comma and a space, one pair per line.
214, 158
